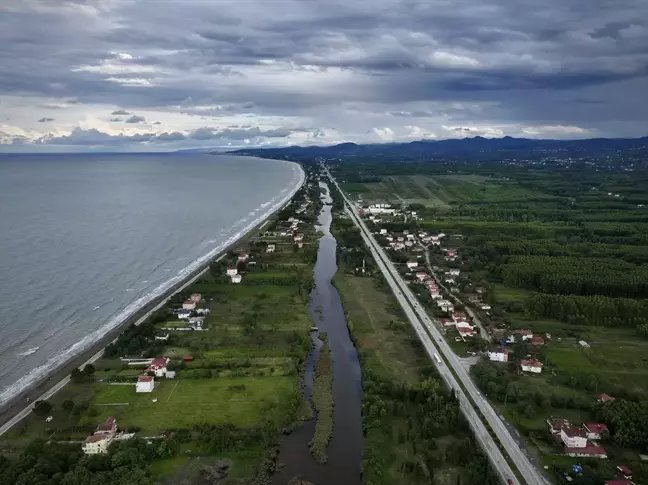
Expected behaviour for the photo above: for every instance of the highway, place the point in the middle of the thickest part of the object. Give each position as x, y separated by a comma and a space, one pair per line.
422, 322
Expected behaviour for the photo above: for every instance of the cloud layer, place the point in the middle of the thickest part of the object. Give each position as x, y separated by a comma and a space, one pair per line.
182, 73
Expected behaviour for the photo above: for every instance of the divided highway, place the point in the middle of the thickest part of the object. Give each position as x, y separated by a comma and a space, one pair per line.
425, 327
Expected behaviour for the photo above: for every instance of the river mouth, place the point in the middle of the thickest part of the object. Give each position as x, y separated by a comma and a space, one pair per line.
327, 314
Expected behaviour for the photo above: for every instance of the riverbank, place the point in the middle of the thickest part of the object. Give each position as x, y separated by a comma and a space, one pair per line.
20, 406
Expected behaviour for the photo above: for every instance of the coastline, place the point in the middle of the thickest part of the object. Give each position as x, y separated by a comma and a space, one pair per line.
21, 405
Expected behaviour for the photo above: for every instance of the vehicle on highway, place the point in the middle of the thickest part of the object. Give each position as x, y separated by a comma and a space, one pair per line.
438, 359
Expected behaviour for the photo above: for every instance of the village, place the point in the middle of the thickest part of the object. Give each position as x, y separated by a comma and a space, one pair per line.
431, 264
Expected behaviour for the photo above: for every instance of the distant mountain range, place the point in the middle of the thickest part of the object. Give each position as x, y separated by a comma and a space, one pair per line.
477, 147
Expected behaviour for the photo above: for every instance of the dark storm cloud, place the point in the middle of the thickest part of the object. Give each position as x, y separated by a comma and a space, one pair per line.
529, 62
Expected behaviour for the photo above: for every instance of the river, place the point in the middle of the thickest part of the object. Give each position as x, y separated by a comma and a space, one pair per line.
345, 449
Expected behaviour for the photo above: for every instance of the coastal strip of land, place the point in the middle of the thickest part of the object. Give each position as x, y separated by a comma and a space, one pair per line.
22, 404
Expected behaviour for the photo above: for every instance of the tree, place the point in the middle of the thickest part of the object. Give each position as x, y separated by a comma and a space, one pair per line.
67, 405
89, 369
42, 408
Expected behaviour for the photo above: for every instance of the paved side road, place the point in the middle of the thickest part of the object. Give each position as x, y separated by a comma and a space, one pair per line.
482, 330
419, 317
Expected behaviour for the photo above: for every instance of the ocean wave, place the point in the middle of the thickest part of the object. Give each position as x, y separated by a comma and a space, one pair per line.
83, 344
28, 352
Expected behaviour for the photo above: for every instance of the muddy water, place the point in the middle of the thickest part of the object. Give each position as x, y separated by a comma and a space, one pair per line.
345, 449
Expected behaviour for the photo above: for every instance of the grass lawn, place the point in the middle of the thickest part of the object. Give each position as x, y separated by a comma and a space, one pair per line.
184, 403
387, 335
508, 294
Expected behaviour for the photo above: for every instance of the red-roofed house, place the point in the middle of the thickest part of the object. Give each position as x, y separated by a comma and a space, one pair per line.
588, 452
465, 330
573, 437
459, 317
108, 427
537, 341
618, 482
531, 365
625, 471
145, 384
605, 398
594, 430
498, 355
158, 366
420, 275
189, 305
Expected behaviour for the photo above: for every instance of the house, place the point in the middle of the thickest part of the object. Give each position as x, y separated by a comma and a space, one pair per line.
556, 424
435, 241
454, 272
573, 437
524, 335
531, 365
445, 305
447, 322
459, 317
594, 430
537, 341
383, 231
421, 275
450, 281
145, 384
465, 330
170, 374
195, 297
590, 451
605, 398
232, 271
183, 313
498, 355
96, 444
243, 256
298, 237
625, 471
158, 366
236, 278
108, 427
102, 437
189, 305
162, 337
270, 248
203, 311
412, 264
485, 307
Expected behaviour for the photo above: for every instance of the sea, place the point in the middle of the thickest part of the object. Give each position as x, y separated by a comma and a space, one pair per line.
87, 240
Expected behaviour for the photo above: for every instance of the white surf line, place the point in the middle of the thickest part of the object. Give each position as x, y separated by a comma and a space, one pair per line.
66, 380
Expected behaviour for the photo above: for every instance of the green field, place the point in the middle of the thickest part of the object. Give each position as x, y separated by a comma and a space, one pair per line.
185, 403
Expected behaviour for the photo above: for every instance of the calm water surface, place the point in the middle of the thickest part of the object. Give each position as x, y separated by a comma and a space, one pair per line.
88, 239
345, 449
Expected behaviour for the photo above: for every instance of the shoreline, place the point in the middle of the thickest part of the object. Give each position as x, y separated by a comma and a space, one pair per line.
21, 405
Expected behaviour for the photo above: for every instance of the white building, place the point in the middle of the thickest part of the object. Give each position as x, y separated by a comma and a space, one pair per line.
383, 231
299, 237
412, 264
421, 275
532, 365
96, 444
145, 384
454, 272
158, 366
162, 337
573, 437
270, 248
498, 355
236, 278
232, 271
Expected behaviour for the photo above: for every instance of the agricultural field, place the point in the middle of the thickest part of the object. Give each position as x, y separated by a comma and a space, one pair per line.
559, 250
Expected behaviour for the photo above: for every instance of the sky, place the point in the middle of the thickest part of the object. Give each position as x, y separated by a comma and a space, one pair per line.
160, 75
